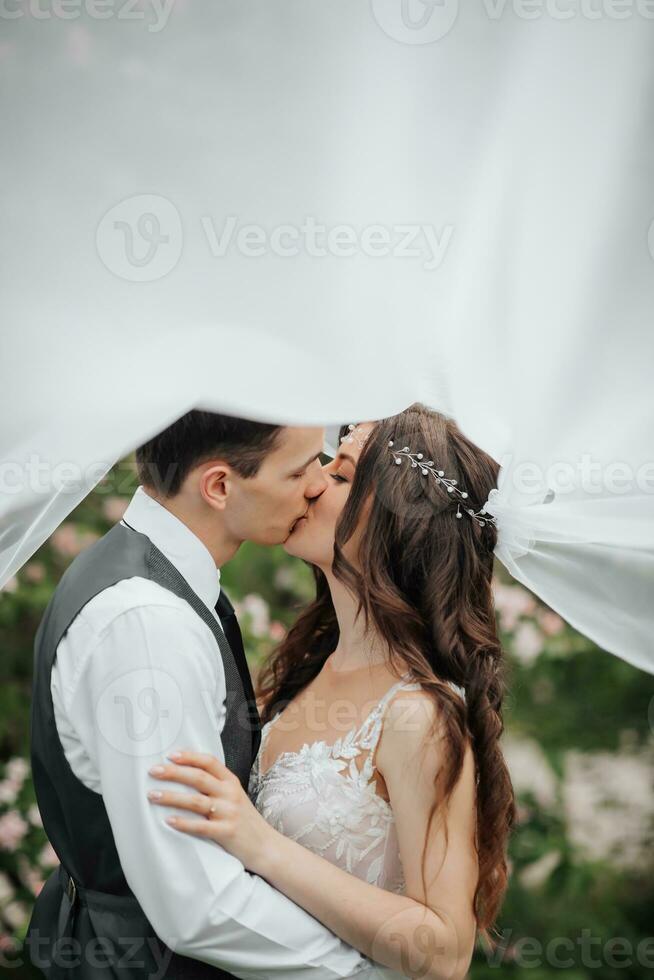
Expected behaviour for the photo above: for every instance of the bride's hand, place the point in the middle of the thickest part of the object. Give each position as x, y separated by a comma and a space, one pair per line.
230, 818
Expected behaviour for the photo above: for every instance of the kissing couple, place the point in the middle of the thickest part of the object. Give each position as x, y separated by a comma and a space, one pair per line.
350, 816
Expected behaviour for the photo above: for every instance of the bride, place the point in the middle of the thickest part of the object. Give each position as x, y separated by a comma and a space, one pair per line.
380, 800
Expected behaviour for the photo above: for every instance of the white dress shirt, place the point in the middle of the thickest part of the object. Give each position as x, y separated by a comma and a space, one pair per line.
137, 675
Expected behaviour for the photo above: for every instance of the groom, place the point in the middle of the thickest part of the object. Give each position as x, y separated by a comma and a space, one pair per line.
138, 653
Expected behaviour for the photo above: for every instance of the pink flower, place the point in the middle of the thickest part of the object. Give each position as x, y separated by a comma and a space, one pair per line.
530, 770
30, 877
64, 540
512, 602
608, 804
15, 914
534, 875
523, 814
527, 643
17, 769
68, 541
284, 578
12, 830
7, 891
15, 772
257, 609
8, 791
550, 622
34, 572
34, 816
48, 857
114, 508
277, 631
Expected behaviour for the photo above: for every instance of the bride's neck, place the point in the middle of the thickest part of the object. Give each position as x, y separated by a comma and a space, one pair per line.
355, 647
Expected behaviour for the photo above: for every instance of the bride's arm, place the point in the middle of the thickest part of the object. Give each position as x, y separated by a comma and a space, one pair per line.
431, 937
416, 934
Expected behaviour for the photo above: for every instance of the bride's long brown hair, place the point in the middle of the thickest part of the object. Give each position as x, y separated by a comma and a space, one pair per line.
424, 587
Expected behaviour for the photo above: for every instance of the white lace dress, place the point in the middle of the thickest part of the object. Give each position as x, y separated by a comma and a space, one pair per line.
322, 799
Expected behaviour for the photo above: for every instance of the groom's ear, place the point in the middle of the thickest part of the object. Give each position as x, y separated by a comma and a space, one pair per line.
215, 483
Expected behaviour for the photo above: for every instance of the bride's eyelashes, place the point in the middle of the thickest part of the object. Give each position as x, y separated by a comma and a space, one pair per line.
339, 479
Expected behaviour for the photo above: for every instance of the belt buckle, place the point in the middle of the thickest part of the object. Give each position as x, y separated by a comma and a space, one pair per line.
71, 890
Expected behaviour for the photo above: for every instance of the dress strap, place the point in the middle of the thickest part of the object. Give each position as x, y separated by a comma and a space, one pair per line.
368, 734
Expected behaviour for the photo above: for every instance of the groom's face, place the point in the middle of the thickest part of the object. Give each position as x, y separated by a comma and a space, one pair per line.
266, 507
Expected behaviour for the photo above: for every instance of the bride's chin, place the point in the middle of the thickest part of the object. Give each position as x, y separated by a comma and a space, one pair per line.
289, 546
295, 543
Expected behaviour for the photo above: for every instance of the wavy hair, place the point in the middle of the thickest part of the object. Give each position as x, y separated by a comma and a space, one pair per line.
423, 584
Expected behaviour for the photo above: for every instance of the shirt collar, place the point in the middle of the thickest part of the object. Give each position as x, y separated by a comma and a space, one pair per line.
178, 543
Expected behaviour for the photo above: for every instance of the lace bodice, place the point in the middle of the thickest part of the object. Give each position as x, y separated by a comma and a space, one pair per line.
325, 797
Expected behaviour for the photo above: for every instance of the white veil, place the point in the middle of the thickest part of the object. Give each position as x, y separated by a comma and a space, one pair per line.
320, 213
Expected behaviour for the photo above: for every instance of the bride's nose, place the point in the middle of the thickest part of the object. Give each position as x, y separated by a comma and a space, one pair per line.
317, 484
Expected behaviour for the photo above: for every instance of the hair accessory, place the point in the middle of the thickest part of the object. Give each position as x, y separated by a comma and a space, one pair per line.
352, 436
429, 467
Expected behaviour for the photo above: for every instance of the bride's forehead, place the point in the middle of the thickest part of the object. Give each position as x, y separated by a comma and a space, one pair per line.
354, 439
361, 429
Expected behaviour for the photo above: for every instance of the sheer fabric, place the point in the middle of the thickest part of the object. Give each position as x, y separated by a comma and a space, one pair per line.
342, 209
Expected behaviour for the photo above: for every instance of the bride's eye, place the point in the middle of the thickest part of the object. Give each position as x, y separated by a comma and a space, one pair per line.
339, 479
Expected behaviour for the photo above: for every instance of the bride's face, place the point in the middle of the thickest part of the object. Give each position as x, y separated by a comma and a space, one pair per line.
314, 535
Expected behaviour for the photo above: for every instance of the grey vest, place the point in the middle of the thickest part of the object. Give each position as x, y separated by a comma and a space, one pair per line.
86, 922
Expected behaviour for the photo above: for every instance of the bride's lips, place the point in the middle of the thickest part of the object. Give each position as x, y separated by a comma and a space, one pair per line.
299, 522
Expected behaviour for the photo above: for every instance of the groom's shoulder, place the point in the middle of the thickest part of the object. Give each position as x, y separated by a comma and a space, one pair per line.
141, 622
136, 597
111, 579
140, 613
110, 582
137, 592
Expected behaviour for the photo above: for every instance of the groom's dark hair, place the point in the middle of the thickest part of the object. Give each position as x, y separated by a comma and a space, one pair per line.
164, 462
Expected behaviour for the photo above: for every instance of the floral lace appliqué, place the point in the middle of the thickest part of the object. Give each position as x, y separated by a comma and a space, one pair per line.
319, 797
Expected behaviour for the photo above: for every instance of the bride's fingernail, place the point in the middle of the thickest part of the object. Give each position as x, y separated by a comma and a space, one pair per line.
154, 795
175, 755
172, 820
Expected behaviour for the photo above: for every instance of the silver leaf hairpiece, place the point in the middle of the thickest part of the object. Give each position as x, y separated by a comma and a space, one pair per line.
353, 436
428, 467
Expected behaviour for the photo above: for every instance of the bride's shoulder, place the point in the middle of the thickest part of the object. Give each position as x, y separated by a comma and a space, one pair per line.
414, 721
410, 692
411, 709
